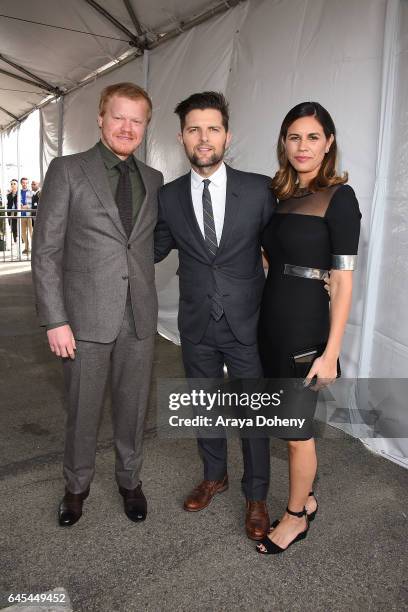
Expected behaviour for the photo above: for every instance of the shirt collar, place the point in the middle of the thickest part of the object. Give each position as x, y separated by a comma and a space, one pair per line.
218, 178
111, 160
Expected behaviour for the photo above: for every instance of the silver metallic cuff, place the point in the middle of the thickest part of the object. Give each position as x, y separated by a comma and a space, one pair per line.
312, 273
344, 262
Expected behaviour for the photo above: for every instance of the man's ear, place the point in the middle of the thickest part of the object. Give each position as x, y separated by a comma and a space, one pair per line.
180, 138
99, 121
228, 139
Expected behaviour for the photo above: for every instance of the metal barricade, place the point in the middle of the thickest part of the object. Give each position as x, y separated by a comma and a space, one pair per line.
16, 233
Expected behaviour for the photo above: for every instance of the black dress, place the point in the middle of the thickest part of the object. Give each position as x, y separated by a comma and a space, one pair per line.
307, 235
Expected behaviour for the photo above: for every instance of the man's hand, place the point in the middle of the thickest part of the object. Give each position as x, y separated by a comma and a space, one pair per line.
62, 341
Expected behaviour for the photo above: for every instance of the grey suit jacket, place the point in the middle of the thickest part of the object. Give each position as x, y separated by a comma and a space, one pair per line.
82, 260
236, 272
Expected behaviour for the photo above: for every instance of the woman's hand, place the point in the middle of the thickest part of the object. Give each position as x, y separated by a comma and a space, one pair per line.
325, 369
325, 366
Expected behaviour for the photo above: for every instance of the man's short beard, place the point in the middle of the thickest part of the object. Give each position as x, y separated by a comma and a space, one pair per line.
213, 161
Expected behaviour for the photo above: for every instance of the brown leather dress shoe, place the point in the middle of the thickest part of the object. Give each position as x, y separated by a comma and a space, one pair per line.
202, 495
70, 508
257, 521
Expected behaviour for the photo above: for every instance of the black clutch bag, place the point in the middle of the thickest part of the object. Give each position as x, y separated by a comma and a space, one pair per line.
303, 361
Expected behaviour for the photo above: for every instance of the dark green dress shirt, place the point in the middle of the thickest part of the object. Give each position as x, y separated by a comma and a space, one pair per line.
111, 161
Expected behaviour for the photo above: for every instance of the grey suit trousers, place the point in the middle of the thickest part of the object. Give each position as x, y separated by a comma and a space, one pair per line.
128, 361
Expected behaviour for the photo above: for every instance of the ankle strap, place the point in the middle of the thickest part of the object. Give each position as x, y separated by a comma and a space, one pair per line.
298, 514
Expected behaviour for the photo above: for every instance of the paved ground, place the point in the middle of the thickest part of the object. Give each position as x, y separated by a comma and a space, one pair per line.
355, 557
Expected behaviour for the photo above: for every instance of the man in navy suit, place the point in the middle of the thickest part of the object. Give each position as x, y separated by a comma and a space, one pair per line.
214, 216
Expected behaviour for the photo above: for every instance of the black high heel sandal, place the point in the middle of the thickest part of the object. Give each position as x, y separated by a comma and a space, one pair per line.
310, 517
273, 549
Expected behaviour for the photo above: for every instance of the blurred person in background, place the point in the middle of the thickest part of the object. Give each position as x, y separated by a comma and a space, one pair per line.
12, 204
25, 205
35, 190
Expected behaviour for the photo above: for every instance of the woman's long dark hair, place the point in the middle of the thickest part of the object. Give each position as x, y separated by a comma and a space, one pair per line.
284, 183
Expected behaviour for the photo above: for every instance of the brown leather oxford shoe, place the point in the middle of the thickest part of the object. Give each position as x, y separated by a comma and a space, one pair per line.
257, 521
202, 495
70, 508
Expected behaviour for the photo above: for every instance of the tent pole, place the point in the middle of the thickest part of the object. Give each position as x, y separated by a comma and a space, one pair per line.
60, 125
133, 40
18, 163
36, 78
41, 147
133, 17
20, 78
3, 172
183, 26
8, 113
143, 148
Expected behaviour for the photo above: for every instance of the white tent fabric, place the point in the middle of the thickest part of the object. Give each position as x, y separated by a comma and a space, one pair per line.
384, 347
21, 152
50, 133
196, 61
268, 55
29, 147
10, 156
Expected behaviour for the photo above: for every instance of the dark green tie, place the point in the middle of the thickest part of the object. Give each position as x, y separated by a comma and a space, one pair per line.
123, 197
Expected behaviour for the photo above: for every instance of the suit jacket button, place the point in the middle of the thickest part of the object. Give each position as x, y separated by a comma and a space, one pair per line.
125, 277
128, 246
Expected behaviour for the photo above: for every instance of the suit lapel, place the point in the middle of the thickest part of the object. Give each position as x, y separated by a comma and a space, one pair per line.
232, 204
144, 206
92, 164
188, 210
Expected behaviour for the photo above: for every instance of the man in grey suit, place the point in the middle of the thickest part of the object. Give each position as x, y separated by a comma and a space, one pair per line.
93, 275
214, 216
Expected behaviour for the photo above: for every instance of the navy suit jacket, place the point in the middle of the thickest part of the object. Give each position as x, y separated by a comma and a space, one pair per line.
236, 271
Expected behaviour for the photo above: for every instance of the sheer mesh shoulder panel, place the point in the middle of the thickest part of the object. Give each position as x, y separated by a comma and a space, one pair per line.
315, 204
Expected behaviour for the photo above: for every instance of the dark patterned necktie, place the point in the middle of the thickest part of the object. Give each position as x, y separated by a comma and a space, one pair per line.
123, 197
208, 216
210, 236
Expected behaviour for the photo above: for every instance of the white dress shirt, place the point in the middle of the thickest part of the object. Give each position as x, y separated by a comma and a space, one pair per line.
218, 191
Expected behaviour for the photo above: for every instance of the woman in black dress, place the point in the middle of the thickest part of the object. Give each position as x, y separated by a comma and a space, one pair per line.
315, 229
